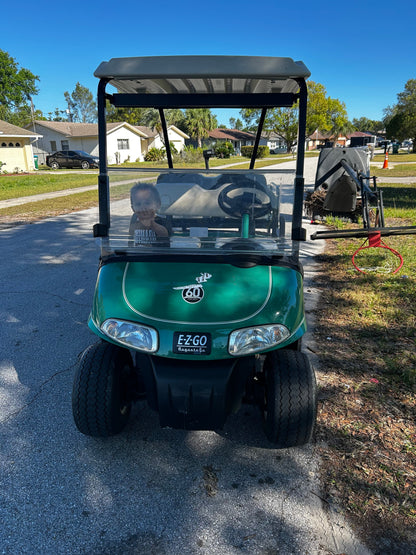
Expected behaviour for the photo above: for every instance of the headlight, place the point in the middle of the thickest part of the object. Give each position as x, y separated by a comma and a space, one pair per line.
253, 340
132, 335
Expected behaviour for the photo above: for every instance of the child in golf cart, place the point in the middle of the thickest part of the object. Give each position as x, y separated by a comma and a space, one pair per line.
145, 202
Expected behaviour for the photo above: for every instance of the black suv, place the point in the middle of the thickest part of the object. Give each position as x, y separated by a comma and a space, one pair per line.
71, 159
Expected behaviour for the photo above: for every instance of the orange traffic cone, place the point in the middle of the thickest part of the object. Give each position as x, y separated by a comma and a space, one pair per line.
386, 161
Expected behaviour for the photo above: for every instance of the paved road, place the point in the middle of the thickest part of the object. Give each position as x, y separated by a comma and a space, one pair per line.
147, 491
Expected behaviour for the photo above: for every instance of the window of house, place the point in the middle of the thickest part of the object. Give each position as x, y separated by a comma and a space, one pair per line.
123, 144
11, 144
3, 145
17, 144
53, 146
65, 145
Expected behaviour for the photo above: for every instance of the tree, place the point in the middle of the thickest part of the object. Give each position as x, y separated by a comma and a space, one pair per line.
133, 116
198, 122
81, 105
327, 114
401, 119
236, 123
316, 115
17, 86
337, 118
368, 125
282, 121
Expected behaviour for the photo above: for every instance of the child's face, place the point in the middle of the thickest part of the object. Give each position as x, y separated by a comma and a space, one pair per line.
144, 205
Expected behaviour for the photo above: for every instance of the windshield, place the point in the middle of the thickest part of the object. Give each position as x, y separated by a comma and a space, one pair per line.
206, 212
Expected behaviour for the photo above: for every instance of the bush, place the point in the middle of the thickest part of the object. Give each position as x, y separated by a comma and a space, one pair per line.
262, 151
224, 150
190, 155
155, 155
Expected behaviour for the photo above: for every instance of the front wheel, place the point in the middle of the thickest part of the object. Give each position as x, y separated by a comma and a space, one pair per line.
85, 165
55, 165
100, 396
289, 409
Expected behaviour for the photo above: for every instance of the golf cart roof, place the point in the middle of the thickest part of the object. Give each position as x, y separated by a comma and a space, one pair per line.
184, 75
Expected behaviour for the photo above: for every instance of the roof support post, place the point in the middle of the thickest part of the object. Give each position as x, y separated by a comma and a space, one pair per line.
299, 233
258, 137
101, 230
166, 137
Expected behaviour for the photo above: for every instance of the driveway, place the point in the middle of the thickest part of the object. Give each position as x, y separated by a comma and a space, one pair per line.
149, 490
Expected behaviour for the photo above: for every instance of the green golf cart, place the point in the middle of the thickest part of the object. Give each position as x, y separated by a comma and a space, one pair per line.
198, 305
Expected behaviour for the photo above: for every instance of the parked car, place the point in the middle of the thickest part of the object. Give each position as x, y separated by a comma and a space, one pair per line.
71, 159
385, 144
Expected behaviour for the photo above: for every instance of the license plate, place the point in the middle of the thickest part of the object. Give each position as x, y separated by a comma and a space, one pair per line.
191, 343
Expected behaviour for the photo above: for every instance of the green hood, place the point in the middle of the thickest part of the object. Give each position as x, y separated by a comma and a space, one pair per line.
196, 293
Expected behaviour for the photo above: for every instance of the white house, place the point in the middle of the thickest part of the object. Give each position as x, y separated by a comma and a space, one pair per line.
16, 152
125, 142
273, 141
155, 140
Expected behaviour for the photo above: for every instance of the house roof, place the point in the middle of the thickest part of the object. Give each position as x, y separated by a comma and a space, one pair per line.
231, 134
9, 130
70, 129
318, 136
147, 131
151, 133
360, 134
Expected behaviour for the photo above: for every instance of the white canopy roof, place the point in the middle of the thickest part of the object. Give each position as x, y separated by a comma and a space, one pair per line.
203, 74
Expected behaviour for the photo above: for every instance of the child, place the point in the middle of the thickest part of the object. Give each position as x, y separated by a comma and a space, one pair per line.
145, 202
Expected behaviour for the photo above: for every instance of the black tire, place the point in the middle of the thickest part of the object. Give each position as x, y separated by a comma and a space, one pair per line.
289, 410
85, 165
100, 397
55, 165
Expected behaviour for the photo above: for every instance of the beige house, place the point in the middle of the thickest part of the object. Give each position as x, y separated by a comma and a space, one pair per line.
16, 148
125, 142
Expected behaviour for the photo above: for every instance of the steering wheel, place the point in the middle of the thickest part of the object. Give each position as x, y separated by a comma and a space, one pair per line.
247, 202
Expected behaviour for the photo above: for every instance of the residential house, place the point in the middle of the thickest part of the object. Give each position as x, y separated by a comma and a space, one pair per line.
243, 138
273, 141
154, 139
125, 142
16, 148
318, 140
234, 136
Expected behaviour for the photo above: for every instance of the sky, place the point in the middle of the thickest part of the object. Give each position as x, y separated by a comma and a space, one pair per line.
362, 52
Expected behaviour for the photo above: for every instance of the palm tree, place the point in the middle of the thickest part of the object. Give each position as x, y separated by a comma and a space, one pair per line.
199, 121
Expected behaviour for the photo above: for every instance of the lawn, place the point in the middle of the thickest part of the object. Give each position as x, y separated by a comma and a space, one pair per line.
16, 186
366, 332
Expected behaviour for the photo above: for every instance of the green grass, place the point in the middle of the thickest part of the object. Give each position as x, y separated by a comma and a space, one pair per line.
16, 186
401, 157
399, 170
399, 201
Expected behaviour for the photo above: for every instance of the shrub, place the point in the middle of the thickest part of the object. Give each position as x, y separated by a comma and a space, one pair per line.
262, 151
189, 155
224, 150
155, 155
